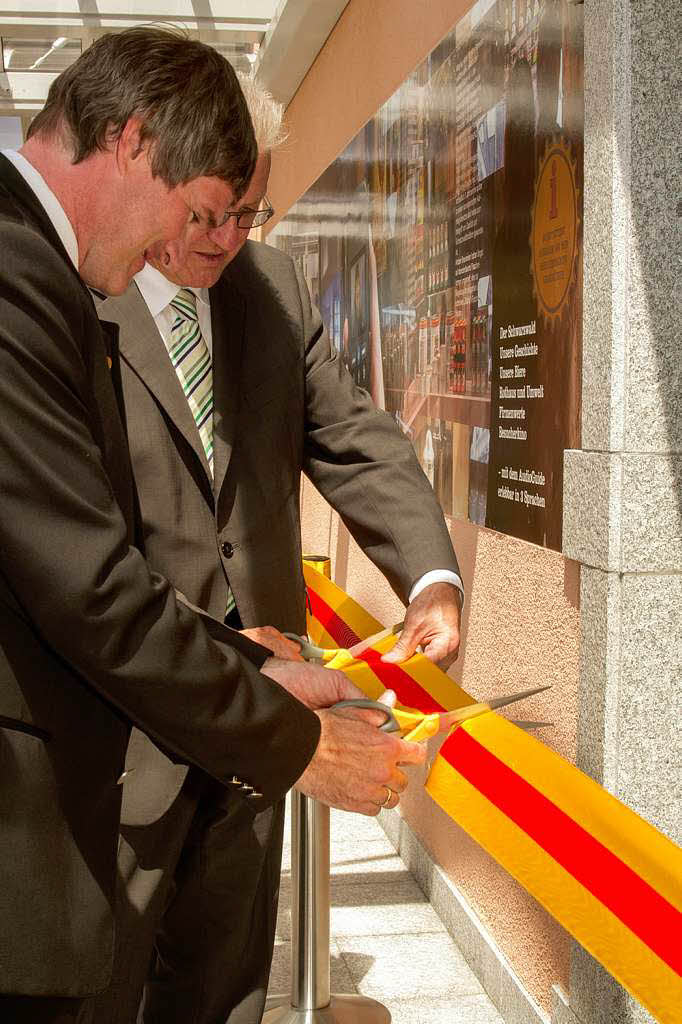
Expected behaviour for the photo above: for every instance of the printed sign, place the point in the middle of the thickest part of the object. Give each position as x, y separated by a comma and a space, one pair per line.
444, 248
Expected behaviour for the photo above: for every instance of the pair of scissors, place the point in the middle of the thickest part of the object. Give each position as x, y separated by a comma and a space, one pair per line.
417, 726
323, 655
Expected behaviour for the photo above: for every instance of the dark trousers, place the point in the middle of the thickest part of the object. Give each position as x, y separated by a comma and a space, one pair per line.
196, 912
39, 1010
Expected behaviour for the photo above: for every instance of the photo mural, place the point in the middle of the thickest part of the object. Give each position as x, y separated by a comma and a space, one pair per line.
444, 250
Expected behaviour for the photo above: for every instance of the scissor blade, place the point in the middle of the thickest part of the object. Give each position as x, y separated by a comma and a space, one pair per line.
450, 718
501, 702
362, 645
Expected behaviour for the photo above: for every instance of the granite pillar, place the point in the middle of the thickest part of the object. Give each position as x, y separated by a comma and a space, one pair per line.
622, 494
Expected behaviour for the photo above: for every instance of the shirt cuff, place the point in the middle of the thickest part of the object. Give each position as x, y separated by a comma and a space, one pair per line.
437, 576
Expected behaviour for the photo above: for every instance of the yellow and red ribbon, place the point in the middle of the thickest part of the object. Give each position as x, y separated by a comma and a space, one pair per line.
604, 873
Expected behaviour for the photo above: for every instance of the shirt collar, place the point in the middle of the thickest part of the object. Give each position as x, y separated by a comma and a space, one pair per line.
48, 200
158, 292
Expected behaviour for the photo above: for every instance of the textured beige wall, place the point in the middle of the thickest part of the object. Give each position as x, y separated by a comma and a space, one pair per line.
521, 620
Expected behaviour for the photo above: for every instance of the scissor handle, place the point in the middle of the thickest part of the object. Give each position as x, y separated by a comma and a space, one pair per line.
390, 725
308, 650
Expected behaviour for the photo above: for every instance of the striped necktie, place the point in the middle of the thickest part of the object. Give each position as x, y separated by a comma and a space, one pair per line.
192, 362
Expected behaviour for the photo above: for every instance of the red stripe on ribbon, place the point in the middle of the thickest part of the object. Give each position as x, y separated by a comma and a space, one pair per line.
408, 691
633, 901
333, 623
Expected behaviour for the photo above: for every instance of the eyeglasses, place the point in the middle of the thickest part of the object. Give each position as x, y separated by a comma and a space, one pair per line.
247, 219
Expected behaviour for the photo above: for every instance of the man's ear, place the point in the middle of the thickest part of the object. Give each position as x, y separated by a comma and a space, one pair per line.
129, 145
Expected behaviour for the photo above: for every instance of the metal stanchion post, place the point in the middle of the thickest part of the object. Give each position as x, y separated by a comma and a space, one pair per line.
311, 1001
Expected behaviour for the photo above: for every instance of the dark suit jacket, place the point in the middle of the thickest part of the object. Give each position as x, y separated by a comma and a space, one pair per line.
91, 640
283, 404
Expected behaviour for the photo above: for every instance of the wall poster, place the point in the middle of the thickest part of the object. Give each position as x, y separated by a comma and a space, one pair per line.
444, 250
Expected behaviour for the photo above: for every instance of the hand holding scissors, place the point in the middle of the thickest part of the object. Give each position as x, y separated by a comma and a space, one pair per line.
418, 726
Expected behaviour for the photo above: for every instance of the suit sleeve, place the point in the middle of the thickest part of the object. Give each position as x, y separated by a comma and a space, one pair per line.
90, 596
367, 470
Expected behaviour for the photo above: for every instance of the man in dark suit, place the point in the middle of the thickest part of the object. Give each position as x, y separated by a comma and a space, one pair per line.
227, 530
92, 640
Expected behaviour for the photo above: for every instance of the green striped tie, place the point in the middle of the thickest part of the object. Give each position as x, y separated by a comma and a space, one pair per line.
192, 362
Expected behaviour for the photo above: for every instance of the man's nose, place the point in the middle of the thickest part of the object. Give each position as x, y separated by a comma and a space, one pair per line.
228, 236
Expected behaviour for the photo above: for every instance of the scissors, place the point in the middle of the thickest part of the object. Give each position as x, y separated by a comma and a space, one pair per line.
309, 652
418, 726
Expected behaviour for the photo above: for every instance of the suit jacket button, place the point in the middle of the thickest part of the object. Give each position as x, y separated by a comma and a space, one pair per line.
227, 549
255, 794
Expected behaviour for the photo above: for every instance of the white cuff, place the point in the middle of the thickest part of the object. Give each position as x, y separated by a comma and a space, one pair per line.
436, 576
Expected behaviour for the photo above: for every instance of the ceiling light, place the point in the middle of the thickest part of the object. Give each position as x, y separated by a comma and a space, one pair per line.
39, 54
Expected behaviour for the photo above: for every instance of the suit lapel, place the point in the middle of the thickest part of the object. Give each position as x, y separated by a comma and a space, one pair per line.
110, 335
228, 316
116, 448
142, 348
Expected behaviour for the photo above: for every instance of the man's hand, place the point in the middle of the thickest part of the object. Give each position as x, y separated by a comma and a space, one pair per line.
280, 645
314, 686
355, 766
432, 620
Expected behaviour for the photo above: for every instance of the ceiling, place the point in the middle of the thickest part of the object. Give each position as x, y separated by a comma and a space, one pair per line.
277, 40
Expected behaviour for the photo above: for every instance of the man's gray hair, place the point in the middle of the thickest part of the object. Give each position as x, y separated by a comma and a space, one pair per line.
184, 93
266, 113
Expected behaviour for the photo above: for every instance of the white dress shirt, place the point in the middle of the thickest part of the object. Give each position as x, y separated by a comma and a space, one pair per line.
158, 292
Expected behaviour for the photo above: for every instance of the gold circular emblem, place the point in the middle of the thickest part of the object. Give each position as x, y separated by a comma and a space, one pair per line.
554, 233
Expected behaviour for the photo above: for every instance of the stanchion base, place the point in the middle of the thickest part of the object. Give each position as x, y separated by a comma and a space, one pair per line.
341, 1010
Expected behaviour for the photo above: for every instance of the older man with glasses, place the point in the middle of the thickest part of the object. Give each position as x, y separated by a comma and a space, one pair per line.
231, 391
